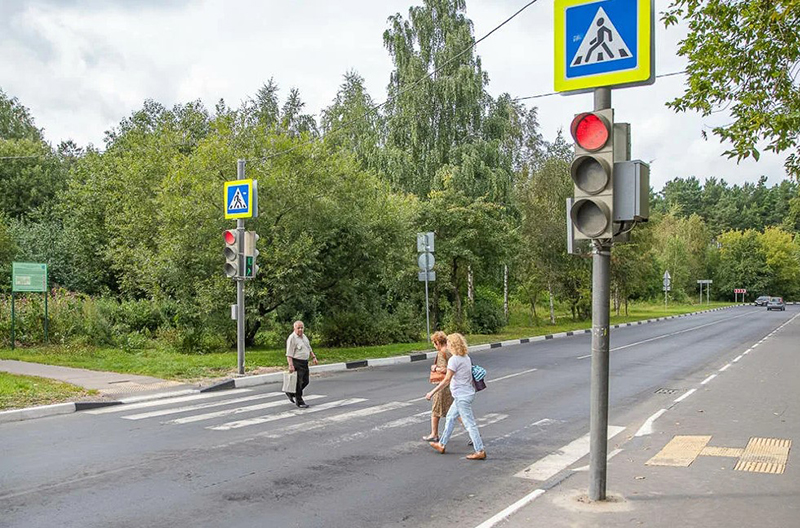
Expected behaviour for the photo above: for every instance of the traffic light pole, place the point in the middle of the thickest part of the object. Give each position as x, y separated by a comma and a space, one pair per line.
598, 420
240, 317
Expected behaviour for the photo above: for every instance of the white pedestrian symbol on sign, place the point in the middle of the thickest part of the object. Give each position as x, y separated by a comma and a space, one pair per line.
237, 202
602, 43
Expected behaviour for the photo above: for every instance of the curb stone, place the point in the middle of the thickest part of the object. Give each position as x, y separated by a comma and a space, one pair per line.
276, 377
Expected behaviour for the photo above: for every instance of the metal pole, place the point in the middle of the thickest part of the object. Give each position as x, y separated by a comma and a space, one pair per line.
598, 423
46, 340
708, 293
427, 304
598, 419
240, 316
505, 290
13, 316
701, 293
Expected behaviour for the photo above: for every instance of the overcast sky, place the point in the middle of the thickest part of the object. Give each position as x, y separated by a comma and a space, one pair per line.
81, 66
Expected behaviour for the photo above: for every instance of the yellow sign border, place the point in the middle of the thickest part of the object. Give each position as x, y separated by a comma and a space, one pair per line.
249, 213
642, 74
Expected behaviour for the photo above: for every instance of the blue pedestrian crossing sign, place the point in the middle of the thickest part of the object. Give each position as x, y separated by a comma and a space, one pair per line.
241, 199
603, 43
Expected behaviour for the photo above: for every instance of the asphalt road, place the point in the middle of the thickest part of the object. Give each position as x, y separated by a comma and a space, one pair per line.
355, 457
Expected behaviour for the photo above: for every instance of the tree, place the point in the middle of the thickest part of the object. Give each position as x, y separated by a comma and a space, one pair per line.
16, 121
429, 116
742, 263
744, 55
352, 124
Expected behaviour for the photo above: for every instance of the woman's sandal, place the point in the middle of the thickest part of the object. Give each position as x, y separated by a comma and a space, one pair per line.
430, 438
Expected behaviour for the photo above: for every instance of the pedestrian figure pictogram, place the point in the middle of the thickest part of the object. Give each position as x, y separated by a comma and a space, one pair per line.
237, 202
602, 43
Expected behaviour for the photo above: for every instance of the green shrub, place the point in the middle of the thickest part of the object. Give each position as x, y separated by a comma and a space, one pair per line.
486, 312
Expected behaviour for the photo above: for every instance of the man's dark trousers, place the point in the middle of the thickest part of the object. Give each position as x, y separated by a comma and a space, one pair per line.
301, 367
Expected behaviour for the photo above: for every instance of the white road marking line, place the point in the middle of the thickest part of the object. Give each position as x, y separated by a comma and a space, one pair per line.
746, 351
740, 356
237, 410
492, 380
503, 515
543, 421
609, 457
310, 426
165, 401
402, 422
723, 369
677, 333
148, 397
187, 408
685, 395
647, 426
666, 335
489, 419
553, 463
708, 379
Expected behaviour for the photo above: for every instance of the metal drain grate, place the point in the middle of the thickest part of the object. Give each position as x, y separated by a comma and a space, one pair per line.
667, 391
765, 455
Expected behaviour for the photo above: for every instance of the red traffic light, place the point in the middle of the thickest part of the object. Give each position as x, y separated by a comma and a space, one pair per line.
230, 236
590, 131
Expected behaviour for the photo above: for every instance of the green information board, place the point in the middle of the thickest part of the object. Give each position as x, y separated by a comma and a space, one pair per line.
28, 277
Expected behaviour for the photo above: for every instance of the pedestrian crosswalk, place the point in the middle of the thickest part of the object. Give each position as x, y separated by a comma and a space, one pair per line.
270, 415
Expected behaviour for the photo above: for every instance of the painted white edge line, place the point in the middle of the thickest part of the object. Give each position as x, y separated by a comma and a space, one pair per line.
647, 426
723, 369
503, 515
711, 377
609, 457
550, 465
740, 356
685, 395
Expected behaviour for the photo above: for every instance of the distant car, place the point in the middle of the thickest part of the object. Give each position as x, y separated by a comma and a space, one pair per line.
776, 303
762, 301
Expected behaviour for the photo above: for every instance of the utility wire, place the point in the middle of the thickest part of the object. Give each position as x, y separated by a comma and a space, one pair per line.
538, 96
406, 89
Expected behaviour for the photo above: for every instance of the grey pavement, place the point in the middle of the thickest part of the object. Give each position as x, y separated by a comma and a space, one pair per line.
757, 397
106, 383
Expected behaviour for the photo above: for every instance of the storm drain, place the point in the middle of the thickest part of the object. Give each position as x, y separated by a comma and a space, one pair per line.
764, 455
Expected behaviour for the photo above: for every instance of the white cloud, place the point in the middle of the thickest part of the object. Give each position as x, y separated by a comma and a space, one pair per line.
81, 67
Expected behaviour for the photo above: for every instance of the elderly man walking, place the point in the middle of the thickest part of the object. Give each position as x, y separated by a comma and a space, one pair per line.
298, 352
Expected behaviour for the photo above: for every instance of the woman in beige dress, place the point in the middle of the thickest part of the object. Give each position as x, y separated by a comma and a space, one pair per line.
441, 401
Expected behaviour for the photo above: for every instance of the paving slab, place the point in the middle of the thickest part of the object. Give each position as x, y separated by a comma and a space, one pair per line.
107, 383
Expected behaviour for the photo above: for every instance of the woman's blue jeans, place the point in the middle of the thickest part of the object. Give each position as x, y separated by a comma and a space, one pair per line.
462, 407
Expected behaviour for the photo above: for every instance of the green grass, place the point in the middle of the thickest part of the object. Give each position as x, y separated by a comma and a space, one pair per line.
26, 391
192, 367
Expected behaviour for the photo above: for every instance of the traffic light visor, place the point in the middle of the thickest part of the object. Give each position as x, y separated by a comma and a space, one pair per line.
590, 131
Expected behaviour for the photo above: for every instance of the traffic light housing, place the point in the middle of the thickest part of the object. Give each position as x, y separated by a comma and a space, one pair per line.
231, 252
250, 254
592, 172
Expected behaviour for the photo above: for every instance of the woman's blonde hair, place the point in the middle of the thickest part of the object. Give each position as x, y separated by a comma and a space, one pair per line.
439, 338
457, 344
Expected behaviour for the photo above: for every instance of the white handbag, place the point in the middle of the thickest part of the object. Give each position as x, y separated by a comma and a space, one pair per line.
289, 382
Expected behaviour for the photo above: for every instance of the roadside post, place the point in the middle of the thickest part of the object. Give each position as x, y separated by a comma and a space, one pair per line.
667, 287
426, 261
737, 291
600, 46
28, 277
241, 201
706, 282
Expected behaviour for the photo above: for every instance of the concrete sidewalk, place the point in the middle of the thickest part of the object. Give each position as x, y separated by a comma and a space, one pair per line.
106, 383
723, 454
